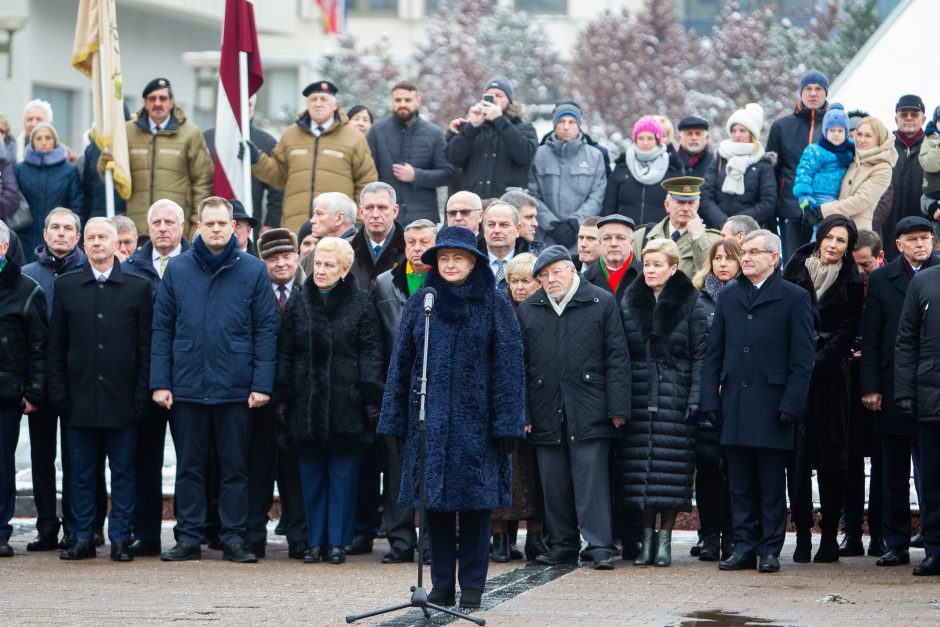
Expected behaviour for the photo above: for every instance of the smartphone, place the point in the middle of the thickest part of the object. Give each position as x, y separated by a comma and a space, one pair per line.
490, 98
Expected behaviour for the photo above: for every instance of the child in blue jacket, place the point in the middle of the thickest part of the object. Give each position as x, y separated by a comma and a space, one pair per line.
823, 164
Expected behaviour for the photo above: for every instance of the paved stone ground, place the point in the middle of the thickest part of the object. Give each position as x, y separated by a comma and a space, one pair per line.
41, 589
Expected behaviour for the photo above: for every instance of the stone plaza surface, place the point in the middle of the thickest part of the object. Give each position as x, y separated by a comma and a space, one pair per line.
40, 589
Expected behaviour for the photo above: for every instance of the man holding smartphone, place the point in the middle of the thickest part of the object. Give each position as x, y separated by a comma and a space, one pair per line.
494, 147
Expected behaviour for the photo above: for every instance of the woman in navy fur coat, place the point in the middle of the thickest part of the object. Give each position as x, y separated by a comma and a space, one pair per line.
475, 409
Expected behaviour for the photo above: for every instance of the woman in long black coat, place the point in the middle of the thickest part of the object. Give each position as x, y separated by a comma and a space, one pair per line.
667, 333
330, 372
827, 271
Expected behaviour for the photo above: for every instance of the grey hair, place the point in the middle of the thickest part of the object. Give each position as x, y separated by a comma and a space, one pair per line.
473, 198
63, 210
422, 223
123, 223
338, 202
103, 221
378, 186
771, 240
500, 203
38, 103
518, 199
741, 224
4, 233
166, 202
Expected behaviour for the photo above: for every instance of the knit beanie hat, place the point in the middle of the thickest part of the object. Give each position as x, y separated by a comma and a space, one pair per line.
814, 77
835, 117
566, 107
276, 241
502, 83
648, 124
46, 126
750, 117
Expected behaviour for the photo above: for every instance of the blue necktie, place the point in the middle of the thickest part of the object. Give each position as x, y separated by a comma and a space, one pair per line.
377, 249
102, 279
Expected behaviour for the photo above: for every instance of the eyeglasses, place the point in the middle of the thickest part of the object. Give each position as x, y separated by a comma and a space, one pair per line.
909, 113
552, 274
753, 252
157, 98
452, 213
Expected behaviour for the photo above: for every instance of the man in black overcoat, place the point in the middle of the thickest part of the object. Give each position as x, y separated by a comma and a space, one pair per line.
755, 381
99, 358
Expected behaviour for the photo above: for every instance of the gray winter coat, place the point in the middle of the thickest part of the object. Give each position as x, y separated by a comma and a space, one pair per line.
391, 294
569, 179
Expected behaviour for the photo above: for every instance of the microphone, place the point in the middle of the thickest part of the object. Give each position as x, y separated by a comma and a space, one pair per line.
429, 294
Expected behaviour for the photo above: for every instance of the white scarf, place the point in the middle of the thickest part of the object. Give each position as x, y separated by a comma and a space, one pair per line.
648, 167
739, 158
559, 307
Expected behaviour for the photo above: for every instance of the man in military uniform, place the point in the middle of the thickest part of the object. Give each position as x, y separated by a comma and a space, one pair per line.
681, 224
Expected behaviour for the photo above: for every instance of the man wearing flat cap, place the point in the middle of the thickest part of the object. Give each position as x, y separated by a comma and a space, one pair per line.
681, 224
568, 178
617, 266
169, 158
887, 289
693, 157
574, 405
908, 177
320, 152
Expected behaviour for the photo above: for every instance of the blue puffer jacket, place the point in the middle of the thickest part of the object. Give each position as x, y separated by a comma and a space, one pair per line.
819, 174
47, 180
214, 333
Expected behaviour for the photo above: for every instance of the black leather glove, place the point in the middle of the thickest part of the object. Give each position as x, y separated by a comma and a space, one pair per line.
565, 232
905, 407
788, 419
395, 444
691, 413
253, 153
372, 415
505, 446
709, 420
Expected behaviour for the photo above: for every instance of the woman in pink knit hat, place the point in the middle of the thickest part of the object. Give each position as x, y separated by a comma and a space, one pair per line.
633, 189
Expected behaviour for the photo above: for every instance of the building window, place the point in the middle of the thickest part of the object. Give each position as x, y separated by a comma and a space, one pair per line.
384, 7
63, 113
279, 100
543, 7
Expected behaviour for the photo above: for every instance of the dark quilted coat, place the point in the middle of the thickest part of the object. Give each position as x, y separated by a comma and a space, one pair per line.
667, 339
476, 390
758, 200
329, 366
576, 366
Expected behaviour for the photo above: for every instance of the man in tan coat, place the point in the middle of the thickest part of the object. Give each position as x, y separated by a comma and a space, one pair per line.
168, 155
320, 152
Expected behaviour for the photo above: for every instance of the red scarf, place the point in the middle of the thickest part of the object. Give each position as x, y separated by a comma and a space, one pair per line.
909, 140
613, 278
693, 159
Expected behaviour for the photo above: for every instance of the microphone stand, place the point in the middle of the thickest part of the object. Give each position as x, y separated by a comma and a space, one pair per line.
419, 597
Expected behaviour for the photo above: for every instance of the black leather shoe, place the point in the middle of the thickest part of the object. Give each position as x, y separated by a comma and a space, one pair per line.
768, 564
214, 543
917, 542
398, 556
804, 547
558, 555
828, 551
5, 549
470, 598
139, 548
514, 552
894, 557
727, 546
603, 559
710, 551
182, 552
338, 555
281, 529
739, 561
499, 549
68, 539
313, 555
930, 567
120, 552
81, 550
360, 545
851, 546
237, 552
877, 547
696, 550
296, 550
442, 596
258, 548
47, 542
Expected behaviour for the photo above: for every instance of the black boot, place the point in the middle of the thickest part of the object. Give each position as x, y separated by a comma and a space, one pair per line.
804, 546
535, 545
851, 546
645, 558
711, 551
664, 548
499, 550
828, 549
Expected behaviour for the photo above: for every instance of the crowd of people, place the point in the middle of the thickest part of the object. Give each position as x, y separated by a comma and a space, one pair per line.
606, 344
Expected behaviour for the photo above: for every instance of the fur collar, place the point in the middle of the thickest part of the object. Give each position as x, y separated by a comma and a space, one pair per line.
795, 272
334, 302
453, 303
656, 319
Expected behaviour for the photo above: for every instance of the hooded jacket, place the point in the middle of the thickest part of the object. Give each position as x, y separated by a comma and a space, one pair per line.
863, 185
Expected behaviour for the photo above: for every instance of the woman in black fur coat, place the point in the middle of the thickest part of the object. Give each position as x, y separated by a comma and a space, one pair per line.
667, 332
330, 373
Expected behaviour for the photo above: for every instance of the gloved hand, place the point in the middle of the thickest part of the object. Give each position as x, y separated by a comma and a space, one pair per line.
372, 415
691, 413
930, 129
808, 203
395, 444
253, 153
905, 407
709, 420
565, 232
505, 446
788, 419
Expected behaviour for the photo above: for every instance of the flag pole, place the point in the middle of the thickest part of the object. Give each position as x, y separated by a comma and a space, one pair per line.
108, 173
243, 123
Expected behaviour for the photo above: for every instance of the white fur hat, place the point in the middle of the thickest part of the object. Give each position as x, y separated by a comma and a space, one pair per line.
750, 117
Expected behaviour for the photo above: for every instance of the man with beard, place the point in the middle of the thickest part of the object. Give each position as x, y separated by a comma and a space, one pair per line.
693, 157
409, 155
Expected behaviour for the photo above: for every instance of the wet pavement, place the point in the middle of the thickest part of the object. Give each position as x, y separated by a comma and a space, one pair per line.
41, 589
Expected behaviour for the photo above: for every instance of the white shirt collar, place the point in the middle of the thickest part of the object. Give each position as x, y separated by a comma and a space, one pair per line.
325, 125
289, 286
98, 275
155, 257
493, 258
154, 127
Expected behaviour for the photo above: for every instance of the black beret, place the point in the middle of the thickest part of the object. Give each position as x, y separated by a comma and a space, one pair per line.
155, 84
549, 256
320, 87
692, 121
912, 223
617, 218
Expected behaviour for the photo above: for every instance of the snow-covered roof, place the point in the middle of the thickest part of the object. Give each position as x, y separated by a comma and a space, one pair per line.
900, 58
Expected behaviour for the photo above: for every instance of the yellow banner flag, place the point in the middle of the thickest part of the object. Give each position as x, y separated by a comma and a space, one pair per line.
96, 54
